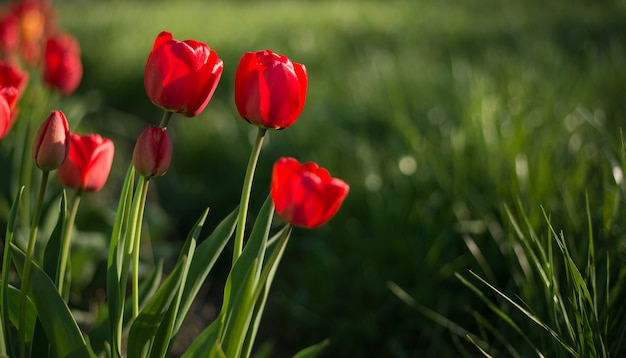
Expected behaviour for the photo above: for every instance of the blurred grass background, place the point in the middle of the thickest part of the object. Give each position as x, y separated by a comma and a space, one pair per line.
437, 113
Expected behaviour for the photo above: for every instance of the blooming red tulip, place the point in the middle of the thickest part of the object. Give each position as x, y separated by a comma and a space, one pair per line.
13, 76
12, 84
181, 76
89, 162
63, 68
153, 152
270, 90
304, 194
52, 142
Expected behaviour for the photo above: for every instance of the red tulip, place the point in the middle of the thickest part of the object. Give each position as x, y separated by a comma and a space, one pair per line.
52, 142
9, 34
12, 84
181, 76
36, 19
270, 90
13, 76
89, 162
5, 117
304, 194
63, 68
153, 152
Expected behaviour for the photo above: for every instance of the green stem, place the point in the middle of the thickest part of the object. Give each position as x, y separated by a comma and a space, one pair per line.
66, 242
136, 245
166, 119
245, 193
27, 264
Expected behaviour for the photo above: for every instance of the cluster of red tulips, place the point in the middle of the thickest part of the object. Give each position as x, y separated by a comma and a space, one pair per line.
180, 77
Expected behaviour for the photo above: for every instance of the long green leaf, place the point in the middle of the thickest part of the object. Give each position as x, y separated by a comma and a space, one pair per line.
238, 282
5, 344
312, 351
240, 314
101, 333
53, 247
259, 305
203, 260
13, 301
52, 253
163, 336
62, 330
145, 326
115, 301
207, 344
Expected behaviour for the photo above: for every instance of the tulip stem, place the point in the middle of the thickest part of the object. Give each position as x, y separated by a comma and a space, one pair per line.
136, 246
245, 193
166, 119
66, 243
27, 263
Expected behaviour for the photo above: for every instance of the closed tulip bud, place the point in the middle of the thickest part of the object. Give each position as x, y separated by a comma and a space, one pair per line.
270, 90
63, 68
52, 143
305, 195
181, 76
89, 162
153, 152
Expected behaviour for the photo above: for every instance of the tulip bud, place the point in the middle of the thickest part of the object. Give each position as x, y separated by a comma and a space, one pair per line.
153, 152
89, 162
270, 90
305, 195
181, 76
52, 143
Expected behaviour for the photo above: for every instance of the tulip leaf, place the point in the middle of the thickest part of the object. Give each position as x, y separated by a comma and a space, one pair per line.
253, 249
204, 258
313, 350
64, 335
6, 346
163, 336
13, 303
115, 301
102, 333
52, 253
239, 313
144, 328
244, 280
259, 306
53, 247
207, 343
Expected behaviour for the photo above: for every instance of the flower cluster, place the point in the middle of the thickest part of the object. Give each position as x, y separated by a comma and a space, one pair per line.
31, 42
180, 77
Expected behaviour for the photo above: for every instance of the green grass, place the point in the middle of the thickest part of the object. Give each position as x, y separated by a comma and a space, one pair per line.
438, 114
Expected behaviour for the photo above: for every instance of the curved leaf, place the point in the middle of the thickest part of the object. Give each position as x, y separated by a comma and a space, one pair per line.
62, 330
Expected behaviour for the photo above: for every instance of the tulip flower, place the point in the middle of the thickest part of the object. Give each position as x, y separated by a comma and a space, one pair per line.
5, 117
89, 162
181, 76
9, 34
13, 76
270, 90
63, 68
153, 152
305, 195
52, 142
